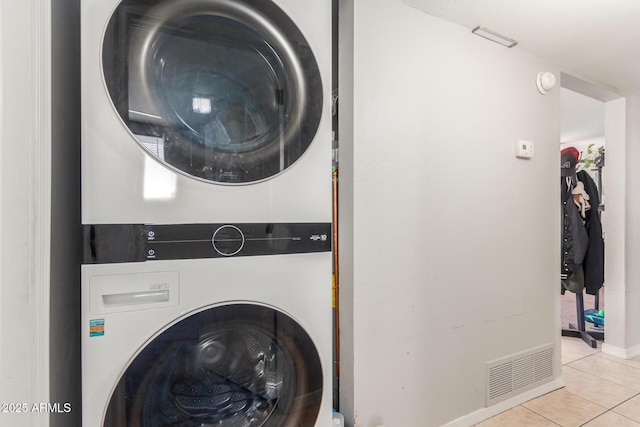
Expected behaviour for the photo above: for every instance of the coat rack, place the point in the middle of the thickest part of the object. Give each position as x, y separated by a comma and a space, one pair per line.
579, 331
569, 158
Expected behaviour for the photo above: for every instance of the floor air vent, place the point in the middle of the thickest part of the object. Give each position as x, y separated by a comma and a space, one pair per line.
520, 372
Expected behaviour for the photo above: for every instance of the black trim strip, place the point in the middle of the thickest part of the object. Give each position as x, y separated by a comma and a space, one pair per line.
119, 243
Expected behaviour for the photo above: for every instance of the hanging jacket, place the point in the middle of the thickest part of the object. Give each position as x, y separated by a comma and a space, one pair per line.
575, 241
593, 263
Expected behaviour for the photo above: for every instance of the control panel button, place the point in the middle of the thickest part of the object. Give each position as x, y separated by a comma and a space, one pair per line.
228, 240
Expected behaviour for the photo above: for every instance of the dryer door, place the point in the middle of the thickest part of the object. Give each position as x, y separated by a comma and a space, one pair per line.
225, 91
237, 365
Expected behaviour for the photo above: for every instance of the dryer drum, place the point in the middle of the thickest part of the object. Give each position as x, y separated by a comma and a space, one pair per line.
229, 89
236, 365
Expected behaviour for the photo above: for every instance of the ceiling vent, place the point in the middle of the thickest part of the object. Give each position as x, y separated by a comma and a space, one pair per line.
515, 374
494, 37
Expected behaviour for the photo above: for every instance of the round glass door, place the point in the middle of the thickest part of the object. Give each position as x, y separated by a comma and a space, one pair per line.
226, 91
234, 366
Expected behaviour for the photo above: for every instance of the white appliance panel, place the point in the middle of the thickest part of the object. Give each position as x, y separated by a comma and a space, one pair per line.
298, 285
116, 170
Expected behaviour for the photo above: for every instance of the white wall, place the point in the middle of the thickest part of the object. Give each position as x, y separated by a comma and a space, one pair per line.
622, 273
449, 244
614, 217
23, 202
16, 227
632, 171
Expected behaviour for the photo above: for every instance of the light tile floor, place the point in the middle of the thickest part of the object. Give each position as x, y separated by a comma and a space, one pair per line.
600, 391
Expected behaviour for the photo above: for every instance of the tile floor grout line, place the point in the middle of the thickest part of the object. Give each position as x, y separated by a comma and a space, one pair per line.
588, 421
624, 416
576, 360
584, 398
539, 414
615, 360
612, 382
604, 378
580, 358
548, 419
617, 413
612, 408
579, 397
625, 401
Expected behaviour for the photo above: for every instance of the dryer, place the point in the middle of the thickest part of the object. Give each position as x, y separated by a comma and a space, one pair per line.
206, 209
206, 111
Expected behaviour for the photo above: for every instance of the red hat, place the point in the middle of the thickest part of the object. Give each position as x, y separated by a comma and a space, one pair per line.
568, 159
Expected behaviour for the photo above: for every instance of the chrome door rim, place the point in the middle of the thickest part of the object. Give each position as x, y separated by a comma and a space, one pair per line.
302, 120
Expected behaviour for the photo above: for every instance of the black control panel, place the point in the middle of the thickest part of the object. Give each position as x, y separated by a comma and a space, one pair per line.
114, 243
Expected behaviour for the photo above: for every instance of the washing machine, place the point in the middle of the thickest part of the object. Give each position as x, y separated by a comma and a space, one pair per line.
223, 342
206, 211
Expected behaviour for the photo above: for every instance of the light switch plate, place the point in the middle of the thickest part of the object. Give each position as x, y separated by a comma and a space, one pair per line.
524, 149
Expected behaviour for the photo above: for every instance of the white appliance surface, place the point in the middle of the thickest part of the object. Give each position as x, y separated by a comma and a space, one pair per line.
297, 285
120, 180
125, 305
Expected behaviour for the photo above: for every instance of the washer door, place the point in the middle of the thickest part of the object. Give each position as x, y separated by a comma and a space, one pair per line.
237, 365
225, 91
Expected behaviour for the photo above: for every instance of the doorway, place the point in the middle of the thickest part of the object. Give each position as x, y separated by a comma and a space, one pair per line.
593, 121
583, 137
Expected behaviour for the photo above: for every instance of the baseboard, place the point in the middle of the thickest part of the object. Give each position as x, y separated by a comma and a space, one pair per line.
485, 413
622, 353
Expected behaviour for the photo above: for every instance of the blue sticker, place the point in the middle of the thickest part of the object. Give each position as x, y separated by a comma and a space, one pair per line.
96, 327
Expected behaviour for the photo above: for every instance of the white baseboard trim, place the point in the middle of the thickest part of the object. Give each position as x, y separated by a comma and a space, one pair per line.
485, 413
622, 353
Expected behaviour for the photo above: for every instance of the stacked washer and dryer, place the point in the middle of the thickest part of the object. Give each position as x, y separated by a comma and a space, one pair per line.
206, 209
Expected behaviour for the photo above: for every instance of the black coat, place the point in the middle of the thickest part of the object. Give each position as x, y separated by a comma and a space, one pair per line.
593, 263
575, 241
